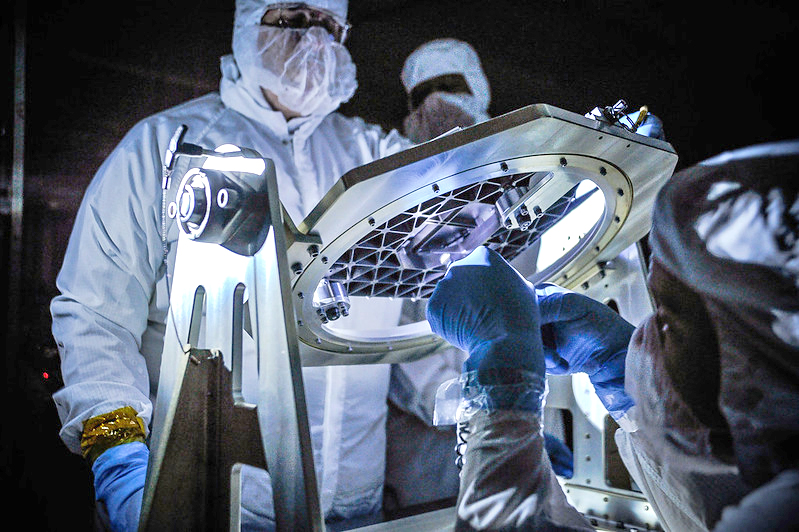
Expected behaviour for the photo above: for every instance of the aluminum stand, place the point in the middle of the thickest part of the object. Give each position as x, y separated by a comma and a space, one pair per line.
202, 428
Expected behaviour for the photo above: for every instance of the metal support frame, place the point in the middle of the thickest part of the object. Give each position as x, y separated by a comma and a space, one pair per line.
215, 293
355, 226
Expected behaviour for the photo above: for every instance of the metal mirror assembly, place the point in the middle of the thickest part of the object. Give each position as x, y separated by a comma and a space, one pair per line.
557, 194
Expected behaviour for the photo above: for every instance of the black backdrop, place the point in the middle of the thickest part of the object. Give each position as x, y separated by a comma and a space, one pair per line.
720, 78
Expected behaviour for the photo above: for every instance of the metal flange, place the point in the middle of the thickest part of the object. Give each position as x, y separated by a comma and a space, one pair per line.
389, 229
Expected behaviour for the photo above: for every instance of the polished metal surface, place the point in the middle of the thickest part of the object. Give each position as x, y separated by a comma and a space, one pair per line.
388, 229
197, 484
215, 296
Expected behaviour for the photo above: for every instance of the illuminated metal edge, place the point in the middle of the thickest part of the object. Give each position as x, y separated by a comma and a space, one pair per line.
628, 168
208, 280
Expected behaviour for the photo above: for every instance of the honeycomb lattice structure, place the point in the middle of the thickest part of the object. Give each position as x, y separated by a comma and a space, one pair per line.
372, 267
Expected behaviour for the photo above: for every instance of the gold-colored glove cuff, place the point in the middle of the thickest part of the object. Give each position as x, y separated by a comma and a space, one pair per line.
102, 432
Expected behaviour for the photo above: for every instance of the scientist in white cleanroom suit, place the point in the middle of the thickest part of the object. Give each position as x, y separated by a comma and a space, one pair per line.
279, 91
446, 88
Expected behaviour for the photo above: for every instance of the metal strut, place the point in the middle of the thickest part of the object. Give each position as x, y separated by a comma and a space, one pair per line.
213, 435
230, 308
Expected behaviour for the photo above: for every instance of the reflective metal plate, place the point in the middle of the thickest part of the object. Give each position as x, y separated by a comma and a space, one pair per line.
389, 229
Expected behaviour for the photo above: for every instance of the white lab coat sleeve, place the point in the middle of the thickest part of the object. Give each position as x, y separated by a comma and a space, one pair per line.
414, 384
112, 262
507, 481
383, 143
392, 142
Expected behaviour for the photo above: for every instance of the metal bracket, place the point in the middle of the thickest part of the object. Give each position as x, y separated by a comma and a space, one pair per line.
200, 419
213, 433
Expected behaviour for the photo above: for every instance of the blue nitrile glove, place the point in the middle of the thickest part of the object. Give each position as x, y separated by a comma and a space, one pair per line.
583, 335
560, 456
485, 307
119, 475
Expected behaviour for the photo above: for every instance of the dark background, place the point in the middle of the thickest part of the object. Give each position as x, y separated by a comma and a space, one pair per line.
720, 78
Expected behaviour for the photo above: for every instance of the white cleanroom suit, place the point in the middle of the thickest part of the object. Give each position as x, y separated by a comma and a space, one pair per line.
109, 319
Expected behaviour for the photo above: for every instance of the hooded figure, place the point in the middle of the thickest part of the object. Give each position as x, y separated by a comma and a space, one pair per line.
288, 73
446, 88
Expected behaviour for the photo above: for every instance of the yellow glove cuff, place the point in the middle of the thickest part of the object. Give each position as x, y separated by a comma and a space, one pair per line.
102, 432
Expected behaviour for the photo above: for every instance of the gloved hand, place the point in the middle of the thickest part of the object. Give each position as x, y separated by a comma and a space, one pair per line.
485, 308
439, 113
583, 335
560, 456
119, 475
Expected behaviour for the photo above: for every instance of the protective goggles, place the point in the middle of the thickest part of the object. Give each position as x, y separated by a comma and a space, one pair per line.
299, 17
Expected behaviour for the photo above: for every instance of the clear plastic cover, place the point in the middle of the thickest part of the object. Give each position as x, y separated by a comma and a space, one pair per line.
457, 400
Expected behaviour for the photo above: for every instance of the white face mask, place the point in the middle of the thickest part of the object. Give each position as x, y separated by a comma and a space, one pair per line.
440, 112
306, 69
